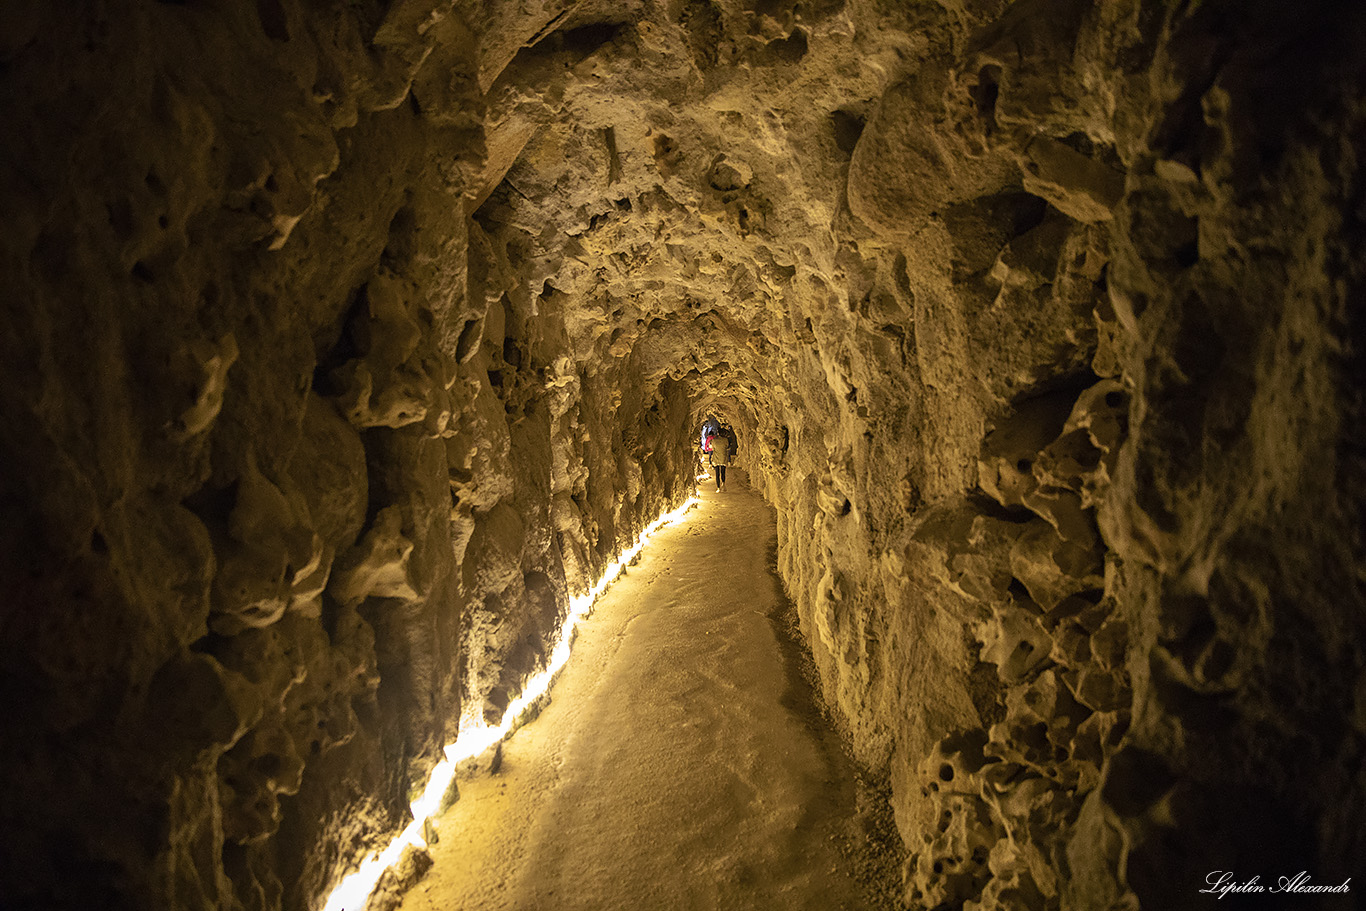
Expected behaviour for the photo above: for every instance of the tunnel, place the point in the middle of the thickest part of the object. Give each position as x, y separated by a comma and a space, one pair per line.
348, 345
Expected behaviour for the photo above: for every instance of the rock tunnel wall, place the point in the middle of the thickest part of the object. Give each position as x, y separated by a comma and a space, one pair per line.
345, 340
298, 473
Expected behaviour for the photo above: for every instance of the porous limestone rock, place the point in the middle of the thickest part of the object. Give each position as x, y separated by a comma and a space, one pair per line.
346, 341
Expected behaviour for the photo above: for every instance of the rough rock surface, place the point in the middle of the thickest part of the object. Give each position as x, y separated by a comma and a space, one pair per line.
345, 340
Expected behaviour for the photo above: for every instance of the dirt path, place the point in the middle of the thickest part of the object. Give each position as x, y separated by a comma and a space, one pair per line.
681, 763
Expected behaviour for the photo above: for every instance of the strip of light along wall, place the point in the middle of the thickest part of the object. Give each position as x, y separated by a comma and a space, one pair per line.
352, 893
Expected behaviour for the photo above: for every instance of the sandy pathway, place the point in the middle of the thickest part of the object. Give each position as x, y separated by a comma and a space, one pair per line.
680, 764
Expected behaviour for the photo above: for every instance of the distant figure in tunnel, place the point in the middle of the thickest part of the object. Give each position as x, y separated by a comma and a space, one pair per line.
720, 456
710, 427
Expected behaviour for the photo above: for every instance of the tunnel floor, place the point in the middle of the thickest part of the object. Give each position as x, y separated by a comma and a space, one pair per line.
682, 762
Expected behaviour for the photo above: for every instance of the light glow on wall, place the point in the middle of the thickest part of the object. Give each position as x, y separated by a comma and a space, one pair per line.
354, 890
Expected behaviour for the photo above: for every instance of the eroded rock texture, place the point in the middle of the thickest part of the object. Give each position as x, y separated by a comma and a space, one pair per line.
294, 474
345, 341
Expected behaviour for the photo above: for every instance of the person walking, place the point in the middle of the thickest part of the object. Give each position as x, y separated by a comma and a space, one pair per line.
720, 457
710, 427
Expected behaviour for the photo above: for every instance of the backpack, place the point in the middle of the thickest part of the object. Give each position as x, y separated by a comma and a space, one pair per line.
721, 454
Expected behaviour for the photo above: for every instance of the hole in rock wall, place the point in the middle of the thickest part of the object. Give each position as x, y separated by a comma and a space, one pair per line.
985, 93
848, 127
1023, 211
789, 50
274, 21
576, 43
586, 39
